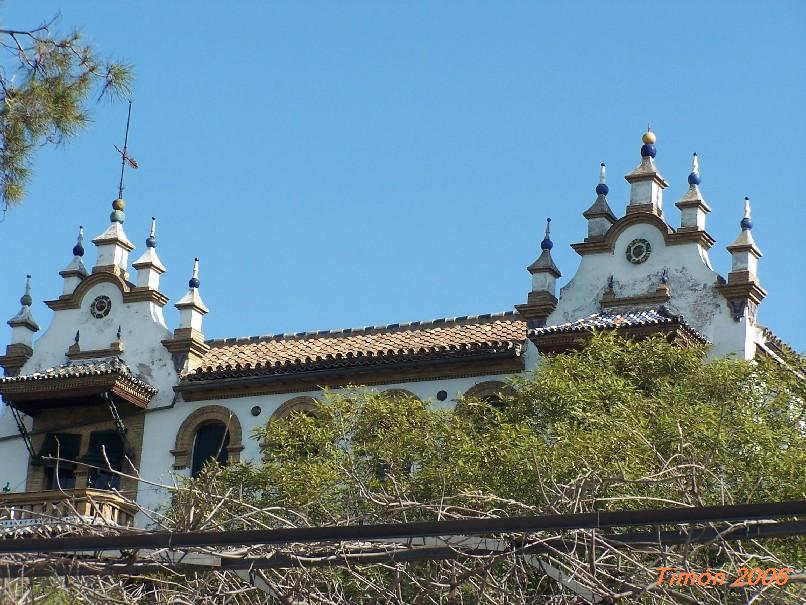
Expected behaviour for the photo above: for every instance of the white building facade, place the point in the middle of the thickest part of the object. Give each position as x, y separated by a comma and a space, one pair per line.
109, 388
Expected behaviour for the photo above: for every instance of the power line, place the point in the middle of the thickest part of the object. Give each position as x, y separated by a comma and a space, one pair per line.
93, 566
465, 527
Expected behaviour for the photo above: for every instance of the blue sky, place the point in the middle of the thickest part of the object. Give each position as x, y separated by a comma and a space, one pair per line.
354, 163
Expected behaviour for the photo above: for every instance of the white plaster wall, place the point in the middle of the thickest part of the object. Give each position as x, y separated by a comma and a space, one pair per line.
142, 330
161, 427
691, 279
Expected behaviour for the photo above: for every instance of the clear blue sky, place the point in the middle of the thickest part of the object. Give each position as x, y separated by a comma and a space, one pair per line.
339, 164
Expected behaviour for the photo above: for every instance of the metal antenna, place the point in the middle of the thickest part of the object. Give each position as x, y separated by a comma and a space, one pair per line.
125, 158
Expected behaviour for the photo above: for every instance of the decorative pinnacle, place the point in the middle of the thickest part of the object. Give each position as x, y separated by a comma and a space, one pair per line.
194, 280
602, 188
649, 138
118, 216
77, 337
151, 242
746, 222
118, 334
664, 277
78, 249
547, 244
26, 300
694, 177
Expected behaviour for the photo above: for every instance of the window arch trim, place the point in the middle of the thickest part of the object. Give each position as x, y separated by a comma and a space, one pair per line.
303, 403
187, 434
488, 388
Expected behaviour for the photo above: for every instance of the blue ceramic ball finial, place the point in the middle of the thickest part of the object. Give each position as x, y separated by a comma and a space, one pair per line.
694, 177
78, 249
602, 188
194, 281
746, 223
547, 244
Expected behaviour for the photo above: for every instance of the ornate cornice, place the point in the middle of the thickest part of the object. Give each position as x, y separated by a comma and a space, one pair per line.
28, 391
114, 349
187, 348
15, 357
685, 235
538, 307
742, 286
648, 208
638, 217
129, 292
660, 296
145, 294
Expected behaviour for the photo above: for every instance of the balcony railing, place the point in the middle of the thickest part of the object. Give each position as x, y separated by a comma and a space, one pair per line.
72, 505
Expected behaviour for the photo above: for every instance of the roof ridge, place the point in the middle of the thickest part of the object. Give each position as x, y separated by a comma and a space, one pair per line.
363, 330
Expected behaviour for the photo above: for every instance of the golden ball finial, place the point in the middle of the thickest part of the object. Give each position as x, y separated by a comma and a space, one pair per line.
649, 138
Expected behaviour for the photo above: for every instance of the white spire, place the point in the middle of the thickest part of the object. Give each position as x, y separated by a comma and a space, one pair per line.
744, 251
149, 267
191, 307
194, 279
75, 271
600, 216
23, 324
544, 271
745, 236
693, 208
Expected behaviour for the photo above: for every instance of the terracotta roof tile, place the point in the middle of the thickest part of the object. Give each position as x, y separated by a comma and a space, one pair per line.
615, 320
373, 345
82, 367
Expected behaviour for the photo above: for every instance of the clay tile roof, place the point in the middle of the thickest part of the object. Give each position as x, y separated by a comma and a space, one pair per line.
776, 344
457, 337
623, 319
80, 368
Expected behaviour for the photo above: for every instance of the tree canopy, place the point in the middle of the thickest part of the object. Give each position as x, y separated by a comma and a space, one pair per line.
618, 425
47, 80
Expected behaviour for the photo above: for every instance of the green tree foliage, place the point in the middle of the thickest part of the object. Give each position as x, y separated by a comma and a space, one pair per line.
612, 416
46, 82
618, 425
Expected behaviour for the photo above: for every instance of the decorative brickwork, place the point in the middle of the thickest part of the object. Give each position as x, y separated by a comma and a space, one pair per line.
488, 390
204, 415
303, 404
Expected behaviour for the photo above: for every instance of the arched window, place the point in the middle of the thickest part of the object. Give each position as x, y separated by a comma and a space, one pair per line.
306, 405
400, 394
210, 443
491, 392
212, 431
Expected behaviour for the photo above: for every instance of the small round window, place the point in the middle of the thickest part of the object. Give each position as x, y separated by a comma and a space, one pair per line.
100, 307
638, 251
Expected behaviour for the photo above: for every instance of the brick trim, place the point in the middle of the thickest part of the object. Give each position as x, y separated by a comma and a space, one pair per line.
190, 426
302, 403
489, 388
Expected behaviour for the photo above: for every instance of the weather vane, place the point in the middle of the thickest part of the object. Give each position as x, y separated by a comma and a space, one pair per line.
125, 158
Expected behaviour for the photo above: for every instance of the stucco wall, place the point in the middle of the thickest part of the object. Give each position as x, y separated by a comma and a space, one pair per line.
691, 279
